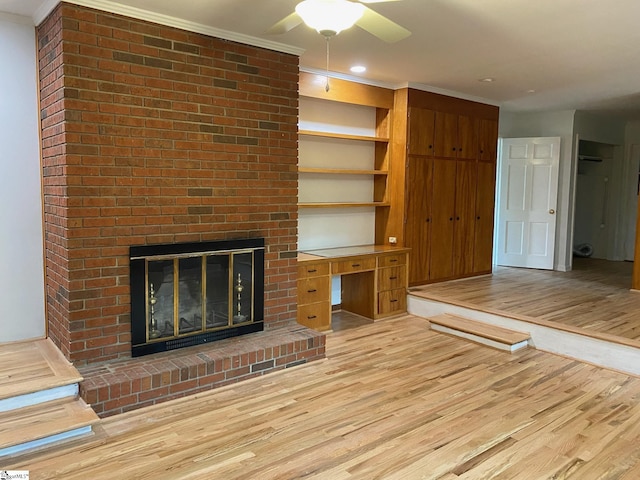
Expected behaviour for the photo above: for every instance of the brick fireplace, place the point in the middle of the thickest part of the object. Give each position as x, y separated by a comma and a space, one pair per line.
154, 135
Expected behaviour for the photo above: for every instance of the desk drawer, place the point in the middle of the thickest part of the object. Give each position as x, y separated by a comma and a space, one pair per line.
314, 289
313, 270
392, 278
392, 301
316, 315
392, 260
356, 264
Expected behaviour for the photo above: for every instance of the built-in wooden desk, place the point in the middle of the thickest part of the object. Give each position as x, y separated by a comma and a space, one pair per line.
374, 282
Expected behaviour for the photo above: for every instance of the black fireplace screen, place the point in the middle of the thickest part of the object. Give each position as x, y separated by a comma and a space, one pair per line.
192, 293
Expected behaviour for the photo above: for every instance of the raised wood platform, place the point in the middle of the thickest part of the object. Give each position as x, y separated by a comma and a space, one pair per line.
486, 334
39, 402
588, 314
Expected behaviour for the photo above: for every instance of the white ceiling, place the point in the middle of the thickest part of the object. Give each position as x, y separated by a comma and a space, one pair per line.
575, 54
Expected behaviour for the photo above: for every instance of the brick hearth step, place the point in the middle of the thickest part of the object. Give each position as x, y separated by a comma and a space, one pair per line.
479, 332
39, 401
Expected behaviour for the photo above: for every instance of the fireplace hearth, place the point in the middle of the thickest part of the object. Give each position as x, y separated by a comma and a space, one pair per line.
192, 293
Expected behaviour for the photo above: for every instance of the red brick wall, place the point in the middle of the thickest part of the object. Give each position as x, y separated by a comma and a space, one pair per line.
156, 135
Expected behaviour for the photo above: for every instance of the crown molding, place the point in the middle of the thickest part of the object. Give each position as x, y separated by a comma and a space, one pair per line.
169, 21
13, 18
43, 11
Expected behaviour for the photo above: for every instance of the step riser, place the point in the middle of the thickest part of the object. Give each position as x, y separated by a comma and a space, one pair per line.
35, 398
42, 442
478, 339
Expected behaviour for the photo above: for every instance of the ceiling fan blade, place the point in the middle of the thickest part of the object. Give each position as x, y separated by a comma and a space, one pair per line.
287, 23
382, 27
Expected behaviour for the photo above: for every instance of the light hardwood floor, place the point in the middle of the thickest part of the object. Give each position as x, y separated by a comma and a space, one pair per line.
393, 400
594, 297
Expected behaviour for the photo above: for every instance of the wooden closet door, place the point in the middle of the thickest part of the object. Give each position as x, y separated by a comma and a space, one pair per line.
485, 203
418, 215
464, 235
443, 200
421, 129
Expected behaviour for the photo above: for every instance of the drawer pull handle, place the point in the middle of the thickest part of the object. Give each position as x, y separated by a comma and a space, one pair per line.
393, 260
311, 317
355, 265
312, 271
393, 278
394, 300
311, 291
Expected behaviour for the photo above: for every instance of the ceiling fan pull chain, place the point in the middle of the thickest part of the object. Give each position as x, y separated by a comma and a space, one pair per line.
326, 87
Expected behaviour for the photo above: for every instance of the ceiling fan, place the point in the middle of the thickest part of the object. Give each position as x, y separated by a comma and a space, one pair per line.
330, 17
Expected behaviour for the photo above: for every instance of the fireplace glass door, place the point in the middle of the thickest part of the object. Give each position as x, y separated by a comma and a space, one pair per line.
196, 293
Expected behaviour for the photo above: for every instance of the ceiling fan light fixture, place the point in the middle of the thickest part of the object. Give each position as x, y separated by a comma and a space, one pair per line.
329, 17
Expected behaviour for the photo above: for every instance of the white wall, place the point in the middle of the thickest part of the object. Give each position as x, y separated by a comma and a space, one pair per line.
22, 272
551, 124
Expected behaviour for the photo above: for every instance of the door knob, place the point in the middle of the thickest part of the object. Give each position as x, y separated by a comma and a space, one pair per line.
552, 211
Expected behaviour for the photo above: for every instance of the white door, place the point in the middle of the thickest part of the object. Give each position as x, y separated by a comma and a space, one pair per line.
527, 202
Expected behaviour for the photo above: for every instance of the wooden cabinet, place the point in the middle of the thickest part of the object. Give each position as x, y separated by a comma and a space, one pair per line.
446, 179
441, 134
488, 140
465, 213
484, 207
314, 295
441, 218
418, 220
455, 136
421, 131
392, 284
443, 203
374, 284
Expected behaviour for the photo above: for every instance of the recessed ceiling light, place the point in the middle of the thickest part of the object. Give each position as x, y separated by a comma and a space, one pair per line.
358, 69
487, 80
531, 90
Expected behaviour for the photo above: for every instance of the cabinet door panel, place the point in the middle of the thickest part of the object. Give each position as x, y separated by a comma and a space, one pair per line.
392, 301
314, 289
446, 135
442, 214
488, 140
418, 217
467, 137
391, 278
466, 175
315, 315
485, 202
421, 127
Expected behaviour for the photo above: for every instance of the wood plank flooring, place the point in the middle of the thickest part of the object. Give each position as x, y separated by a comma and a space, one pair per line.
393, 400
594, 297
31, 366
